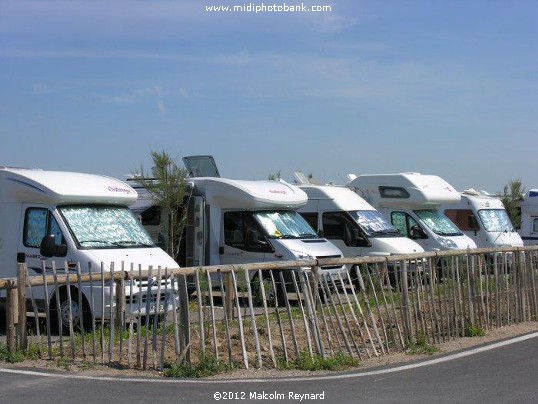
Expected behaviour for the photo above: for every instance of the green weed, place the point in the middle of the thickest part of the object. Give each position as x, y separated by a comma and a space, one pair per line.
208, 365
472, 331
420, 346
306, 361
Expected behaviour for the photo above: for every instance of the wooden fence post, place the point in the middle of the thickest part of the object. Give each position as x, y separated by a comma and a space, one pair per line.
21, 298
406, 310
120, 303
184, 317
229, 290
11, 317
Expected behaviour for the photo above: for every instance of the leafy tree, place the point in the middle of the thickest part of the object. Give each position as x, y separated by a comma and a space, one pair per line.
513, 193
274, 176
167, 185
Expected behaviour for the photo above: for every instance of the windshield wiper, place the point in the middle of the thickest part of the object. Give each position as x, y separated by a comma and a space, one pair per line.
307, 235
387, 231
121, 243
96, 241
125, 243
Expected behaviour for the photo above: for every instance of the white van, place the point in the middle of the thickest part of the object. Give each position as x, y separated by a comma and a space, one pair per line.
410, 201
239, 222
352, 224
483, 218
76, 219
529, 218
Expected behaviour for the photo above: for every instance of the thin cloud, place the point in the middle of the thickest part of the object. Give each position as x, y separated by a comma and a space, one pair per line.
162, 109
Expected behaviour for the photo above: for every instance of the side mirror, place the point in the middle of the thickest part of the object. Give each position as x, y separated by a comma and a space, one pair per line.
416, 232
48, 247
359, 239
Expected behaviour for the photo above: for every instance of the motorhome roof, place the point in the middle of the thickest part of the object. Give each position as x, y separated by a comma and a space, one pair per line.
342, 197
59, 187
471, 197
404, 190
530, 200
240, 194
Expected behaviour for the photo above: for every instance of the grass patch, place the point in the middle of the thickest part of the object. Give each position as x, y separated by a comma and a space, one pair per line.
420, 346
18, 355
340, 361
208, 365
472, 331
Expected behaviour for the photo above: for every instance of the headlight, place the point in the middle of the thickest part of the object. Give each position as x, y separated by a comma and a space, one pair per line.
447, 243
304, 257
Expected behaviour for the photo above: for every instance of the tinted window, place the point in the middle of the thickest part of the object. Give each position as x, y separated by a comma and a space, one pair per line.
338, 226
241, 231
461, 218
393, 192
312, 219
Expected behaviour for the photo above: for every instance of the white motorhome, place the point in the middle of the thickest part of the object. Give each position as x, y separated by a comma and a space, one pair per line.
352, 224
483, 218
529, 218
70, 219
239, 222
410, 201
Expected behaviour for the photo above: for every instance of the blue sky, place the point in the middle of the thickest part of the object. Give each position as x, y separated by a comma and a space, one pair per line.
439, 87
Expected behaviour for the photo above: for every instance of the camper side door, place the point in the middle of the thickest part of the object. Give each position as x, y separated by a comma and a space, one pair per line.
39, 221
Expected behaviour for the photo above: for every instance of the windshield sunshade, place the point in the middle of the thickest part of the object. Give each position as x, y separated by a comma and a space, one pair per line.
105, 227
373, 223
284, 224
495, 220
438, 222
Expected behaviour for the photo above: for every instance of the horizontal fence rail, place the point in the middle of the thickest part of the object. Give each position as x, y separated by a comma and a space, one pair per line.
267, 314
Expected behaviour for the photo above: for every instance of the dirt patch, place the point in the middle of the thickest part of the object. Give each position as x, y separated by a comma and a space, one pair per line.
392, 359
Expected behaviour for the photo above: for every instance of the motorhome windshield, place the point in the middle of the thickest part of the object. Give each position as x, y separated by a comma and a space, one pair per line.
373, 223
438, 223
495, 220
284, 224
105, 227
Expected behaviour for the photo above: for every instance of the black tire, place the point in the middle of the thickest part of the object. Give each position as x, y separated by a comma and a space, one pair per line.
272, 296
64, 312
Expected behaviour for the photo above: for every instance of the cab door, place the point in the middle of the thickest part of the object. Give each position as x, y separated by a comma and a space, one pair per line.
340, 230
244, 239
39, 221
410, 228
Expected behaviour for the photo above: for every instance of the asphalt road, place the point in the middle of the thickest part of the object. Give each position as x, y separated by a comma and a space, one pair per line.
503, 374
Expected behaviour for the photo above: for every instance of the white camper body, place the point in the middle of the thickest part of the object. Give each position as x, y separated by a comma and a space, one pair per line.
90, 223
484, 219
410, 201
253, 221
240, 222
352, 224
529, 218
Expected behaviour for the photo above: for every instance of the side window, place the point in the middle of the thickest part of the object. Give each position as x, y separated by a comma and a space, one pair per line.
535, 225
460, 217
312, 219
39, 222
337, 226
234, 229
151, 216
404, 223
243, 232
399, 222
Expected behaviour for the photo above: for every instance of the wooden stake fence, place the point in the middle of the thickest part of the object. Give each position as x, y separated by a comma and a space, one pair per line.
266, 314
